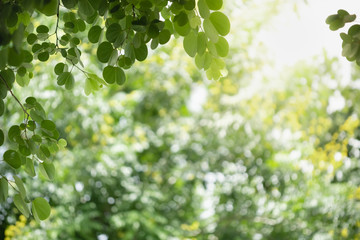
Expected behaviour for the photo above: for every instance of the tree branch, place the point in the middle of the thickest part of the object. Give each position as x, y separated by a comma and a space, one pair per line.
11, 92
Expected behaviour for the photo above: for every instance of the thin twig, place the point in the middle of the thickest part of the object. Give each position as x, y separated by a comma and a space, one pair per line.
27, 115
57, 23
11, 92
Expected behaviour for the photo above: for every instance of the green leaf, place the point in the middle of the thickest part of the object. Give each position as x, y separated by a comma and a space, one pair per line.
220, 22
190, 44
114, 74
29, 167
42, 29
2, 137
4, 189
59, 68
14, 133
69, 3
214, 4
141, 53
19, 183
182, 30
9, 76
43, 56
222, 47
18, 37
65, 77
153, 31
70, 83
181, 19
24, 150
48, 125
203, 9
164, 36
189, 5
62, 143
113, 32
36, 116
201, 43
47, 170
104, 51
41, 208
21, 205
86, 8
45, 151
2, 108
12, 158
210, 31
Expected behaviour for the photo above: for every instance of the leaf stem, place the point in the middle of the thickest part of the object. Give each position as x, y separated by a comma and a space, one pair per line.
57, 23
17, 100
9, 182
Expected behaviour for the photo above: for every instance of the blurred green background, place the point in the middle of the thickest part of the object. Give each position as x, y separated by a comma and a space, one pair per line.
271, 151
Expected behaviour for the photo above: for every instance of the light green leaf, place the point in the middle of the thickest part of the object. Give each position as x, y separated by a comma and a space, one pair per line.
29, 167
214, 4
19, 183
220, 22
222, 47
203, 9
48, 125
22, 80
4, 189
190, 44
210, 31
64, 78
21, 205
47, 170
201, 43
41, 208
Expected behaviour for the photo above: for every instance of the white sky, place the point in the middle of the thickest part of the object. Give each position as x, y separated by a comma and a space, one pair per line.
291, 37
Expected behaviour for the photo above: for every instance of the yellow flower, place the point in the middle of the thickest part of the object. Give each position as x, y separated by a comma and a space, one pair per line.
344, 232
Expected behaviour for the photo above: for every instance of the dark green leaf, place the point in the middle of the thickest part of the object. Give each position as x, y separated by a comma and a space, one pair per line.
42, 29
12, 158
2, 108
2, 137
104, 52
114, 74
141, 52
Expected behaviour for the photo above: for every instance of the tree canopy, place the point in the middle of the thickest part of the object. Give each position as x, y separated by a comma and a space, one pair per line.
118, 33
106, 135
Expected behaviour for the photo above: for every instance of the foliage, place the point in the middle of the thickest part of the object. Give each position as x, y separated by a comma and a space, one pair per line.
118, 33
351, 39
